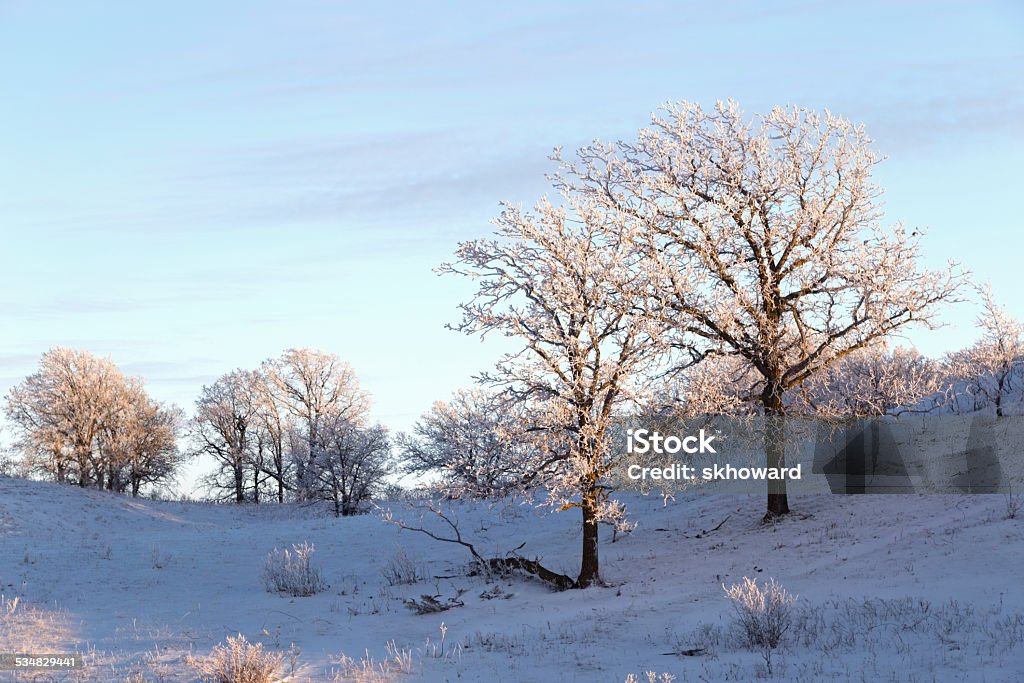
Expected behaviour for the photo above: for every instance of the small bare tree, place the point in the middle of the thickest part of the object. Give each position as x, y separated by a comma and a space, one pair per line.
764, 239
473, 442
224, 426
565, 286
991, 368
351, 465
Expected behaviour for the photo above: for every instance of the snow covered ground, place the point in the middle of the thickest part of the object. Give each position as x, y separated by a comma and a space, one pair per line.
890, 588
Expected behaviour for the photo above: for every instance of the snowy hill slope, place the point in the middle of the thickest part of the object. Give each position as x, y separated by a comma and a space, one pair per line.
900, 588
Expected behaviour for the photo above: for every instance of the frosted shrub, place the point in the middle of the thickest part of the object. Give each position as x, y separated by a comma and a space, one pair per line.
291, 572
239, 661
8, 606
399, 662
762, 612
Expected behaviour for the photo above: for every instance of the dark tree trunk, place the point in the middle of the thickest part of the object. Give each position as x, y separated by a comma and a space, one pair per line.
999, 394
775, 450
589, 565
82, 461
83, 470
239, 484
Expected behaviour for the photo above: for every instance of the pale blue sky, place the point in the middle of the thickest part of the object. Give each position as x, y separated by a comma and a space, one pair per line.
191, 187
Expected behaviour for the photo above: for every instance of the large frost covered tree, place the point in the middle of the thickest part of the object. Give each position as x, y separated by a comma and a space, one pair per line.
61, 410
564, 287
764, 237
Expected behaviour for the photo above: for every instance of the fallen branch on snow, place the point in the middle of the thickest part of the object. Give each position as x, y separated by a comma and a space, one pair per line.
504, 565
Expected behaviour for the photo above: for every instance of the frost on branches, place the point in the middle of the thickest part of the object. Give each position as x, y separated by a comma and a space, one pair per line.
81, 421
567, 287
351, 464
294, 428
474, 442
763, 240
992, 369
314, 387
875, 381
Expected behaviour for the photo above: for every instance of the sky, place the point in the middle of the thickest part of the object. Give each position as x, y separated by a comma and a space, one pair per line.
192, 187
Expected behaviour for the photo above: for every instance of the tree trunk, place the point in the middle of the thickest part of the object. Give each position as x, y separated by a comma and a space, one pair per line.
775, 450
999, 394
83, 469
589, 566
239, 484
280, 485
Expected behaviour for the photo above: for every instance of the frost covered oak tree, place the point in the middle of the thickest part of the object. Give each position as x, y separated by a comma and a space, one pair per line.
764, 237
61, 410
563, 285
82, 421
